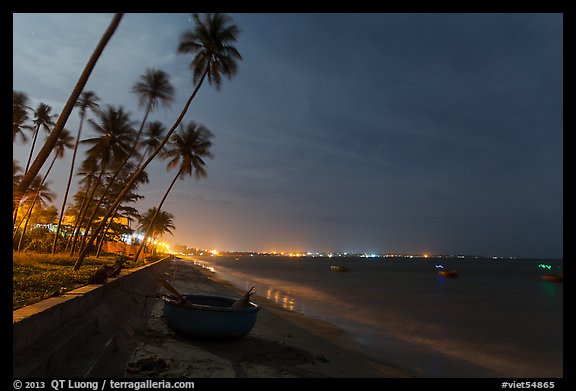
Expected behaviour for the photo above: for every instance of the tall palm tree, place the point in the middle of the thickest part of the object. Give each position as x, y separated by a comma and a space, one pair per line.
111, 146
43, 118
211, 42
19, 114
55, 135
65, 141
185, 151
156, 223
88, 100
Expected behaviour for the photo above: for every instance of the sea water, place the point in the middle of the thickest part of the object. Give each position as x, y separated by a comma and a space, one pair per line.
498, 318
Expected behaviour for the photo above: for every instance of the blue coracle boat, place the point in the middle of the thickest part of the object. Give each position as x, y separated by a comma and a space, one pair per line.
207, 316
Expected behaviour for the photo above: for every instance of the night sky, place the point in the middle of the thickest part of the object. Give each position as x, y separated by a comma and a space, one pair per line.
390, 133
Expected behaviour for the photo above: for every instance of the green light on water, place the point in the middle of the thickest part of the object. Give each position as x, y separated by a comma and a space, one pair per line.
544, 266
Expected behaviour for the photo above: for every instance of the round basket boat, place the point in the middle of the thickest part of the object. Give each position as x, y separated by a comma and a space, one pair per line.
206, 316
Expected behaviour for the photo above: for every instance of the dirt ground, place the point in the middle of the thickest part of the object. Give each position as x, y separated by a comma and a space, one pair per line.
282, 344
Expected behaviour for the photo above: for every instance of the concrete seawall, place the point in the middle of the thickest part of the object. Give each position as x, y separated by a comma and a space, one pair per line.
87, 332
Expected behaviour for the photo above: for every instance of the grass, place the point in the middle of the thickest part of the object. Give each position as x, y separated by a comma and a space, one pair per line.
37, 276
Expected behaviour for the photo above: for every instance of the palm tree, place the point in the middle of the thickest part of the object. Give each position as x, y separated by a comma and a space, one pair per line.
115, 132
157, 224
55, 135
37, 192
88, 100
185, 151
19, 114
43, 118
65, 141
211, 42
153, 89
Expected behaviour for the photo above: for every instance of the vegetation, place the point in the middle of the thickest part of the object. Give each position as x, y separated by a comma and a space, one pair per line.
52, 244
211, 41
38, 275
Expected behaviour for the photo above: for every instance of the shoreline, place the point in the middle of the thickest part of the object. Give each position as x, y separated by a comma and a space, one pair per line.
282, 344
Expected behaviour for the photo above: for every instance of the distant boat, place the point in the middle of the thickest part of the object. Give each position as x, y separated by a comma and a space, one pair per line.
339, 268
553, 277
448, 273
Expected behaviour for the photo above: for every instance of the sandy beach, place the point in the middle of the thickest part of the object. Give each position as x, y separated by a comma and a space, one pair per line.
282, 344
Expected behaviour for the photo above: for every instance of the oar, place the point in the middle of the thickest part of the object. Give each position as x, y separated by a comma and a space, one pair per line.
180, 299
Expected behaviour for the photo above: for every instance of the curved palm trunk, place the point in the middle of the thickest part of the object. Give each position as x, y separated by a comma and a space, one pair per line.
67, 185
137, 173
29, 214
57, 130
155, 215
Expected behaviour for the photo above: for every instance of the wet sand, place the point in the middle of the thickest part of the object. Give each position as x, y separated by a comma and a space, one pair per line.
282, 344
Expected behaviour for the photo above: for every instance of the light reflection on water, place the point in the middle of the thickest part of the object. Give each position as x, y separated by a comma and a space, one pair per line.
284, 299
479, 318
204, 266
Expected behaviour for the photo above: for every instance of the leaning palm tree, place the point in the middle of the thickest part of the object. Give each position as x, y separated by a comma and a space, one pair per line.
211, 42
156, 223
19, 114
185, 152
88, 100
43, 118
55, 135
111, 146
65, 141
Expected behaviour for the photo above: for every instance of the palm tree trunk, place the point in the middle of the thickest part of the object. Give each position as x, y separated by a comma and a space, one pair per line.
76, 228
32, 148
68, 184
57, 130
155, 215
26, 170
29, 214
90, 198
137, 173
103, 237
